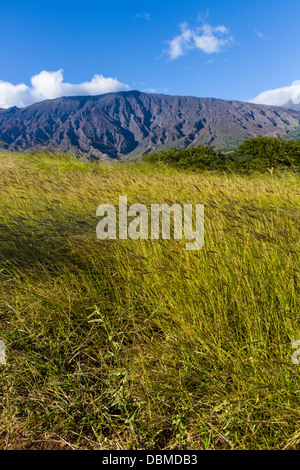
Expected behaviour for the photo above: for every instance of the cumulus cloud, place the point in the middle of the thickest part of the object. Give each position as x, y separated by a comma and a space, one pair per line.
280, 96
207, 38
49, 85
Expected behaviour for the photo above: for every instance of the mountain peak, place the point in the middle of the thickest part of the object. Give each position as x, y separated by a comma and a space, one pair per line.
134, 122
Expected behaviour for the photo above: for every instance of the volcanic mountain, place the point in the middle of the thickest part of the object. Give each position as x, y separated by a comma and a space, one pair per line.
131, 123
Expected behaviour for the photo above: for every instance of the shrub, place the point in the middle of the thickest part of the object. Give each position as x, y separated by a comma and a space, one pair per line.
199, 157
255, 154
260, 153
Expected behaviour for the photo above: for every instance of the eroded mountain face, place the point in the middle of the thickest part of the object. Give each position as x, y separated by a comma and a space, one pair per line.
132, 123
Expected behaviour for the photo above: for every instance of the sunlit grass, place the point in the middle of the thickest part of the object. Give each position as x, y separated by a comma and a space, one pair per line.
142, 344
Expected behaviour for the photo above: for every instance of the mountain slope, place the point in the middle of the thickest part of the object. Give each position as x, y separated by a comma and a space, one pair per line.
130, 123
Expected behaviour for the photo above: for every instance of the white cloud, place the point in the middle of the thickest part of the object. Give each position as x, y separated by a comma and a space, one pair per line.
144, 16
11, 95
181, 43
280, 96
156, 90
48, 85
203, 15
259, 34
207, 38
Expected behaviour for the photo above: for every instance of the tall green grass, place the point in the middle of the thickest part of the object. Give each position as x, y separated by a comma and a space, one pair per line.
142, 344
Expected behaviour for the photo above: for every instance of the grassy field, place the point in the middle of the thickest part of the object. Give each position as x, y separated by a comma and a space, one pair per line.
142, 344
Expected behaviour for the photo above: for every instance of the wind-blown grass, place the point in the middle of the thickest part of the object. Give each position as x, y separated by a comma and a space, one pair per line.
142, 344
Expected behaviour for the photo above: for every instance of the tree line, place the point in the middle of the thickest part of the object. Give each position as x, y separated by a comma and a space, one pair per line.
254, 154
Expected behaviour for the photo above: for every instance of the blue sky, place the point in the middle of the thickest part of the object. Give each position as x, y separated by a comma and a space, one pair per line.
223, 49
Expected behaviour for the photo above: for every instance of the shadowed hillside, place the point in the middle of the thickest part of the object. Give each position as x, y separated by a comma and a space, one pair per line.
132, 123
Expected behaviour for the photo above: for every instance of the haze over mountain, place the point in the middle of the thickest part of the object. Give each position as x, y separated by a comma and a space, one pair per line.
130, 123
291, 105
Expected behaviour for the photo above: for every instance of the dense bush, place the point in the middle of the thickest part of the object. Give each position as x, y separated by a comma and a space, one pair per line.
267, 152
199, 157
256, 154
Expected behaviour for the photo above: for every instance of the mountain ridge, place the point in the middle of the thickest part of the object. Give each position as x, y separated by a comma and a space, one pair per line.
130, 123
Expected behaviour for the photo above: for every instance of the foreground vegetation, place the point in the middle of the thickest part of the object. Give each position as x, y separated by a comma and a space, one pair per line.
142, 344
257, 154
